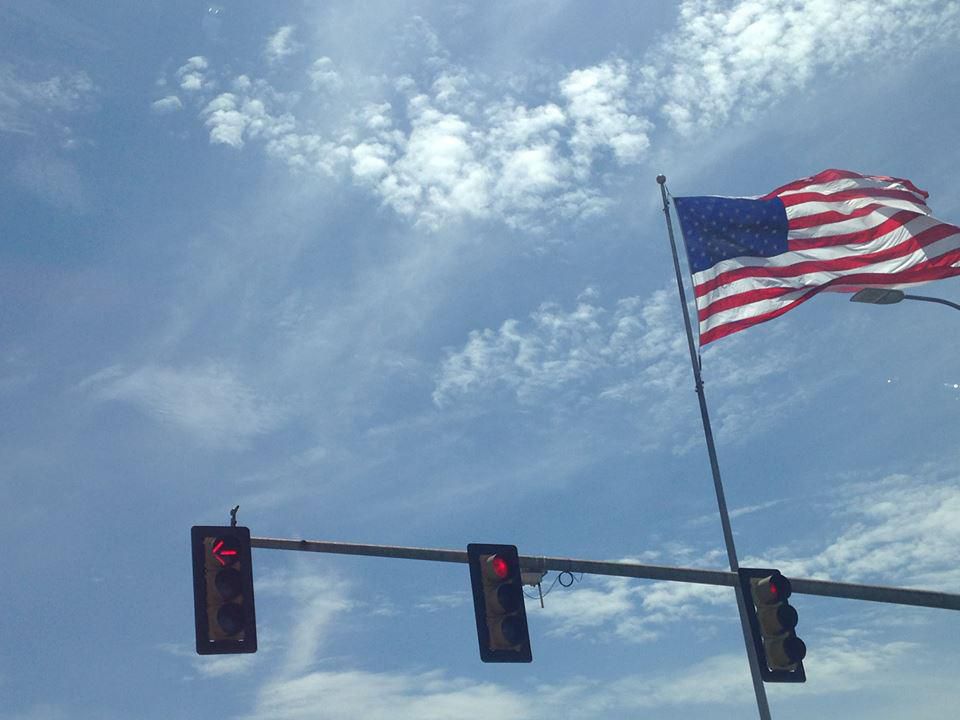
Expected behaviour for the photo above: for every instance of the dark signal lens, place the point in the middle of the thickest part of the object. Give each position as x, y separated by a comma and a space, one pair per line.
512, 629
795, 648
229, 583
509, 598
231, 618
787, 615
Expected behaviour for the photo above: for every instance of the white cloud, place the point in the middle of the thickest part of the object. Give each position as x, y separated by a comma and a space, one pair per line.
26, 106
168, 104
371, 161
599, 100
281, 45
632, 351
435, 603
208, 401
583, 608
459, 148
324, 76
310, 153
728, 61
462, 152
846, 662
897, 531
193, 74
349, 694
720, 681
225, 121
633, 611
223, 665
233, 118
438, 172
298, 691
558, 347
319, 600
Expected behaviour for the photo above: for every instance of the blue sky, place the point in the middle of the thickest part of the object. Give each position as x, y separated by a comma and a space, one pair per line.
396, 272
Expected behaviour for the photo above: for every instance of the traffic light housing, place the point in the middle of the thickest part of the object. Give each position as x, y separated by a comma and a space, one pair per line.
498, 603
772, 622
223, 590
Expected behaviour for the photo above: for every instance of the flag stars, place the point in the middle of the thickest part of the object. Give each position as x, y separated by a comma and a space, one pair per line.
717, 229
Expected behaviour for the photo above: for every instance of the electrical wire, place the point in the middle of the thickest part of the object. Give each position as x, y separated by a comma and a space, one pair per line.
573, 579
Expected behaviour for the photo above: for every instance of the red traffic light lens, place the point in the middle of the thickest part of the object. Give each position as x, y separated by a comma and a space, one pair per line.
225, 551
780, 587
501, 568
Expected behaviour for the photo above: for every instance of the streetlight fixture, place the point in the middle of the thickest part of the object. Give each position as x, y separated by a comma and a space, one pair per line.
889, 296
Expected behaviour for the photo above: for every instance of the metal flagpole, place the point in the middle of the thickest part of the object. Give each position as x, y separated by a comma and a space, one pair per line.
758, 687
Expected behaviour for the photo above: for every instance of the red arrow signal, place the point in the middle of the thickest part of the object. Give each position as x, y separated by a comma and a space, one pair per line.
224, 554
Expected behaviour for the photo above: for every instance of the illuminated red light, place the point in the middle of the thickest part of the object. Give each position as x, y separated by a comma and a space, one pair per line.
500, 567
219, 552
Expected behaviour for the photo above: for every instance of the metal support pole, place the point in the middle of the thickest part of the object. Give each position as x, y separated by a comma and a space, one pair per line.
754, 661
540, 563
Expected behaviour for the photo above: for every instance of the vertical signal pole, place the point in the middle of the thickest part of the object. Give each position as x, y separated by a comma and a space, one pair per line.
758, 688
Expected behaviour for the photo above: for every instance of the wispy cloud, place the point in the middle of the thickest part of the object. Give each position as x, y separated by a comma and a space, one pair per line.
167, 104
444, 147
318, 599
281, 45
636, 612
209, 401
448, 144
897, 530
558, 347
728, 61
628, 352
436, 603
398, 696
718, 682
30, 106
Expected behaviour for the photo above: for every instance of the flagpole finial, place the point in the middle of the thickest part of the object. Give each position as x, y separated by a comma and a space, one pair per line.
661, 179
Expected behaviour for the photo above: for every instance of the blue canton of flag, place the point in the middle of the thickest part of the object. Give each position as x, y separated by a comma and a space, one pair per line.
721, 228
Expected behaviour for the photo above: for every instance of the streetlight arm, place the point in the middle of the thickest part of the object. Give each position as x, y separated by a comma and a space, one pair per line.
941, 301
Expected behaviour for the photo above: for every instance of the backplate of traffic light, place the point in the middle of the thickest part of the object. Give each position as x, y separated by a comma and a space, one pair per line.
498, 603
223, 590
772, 623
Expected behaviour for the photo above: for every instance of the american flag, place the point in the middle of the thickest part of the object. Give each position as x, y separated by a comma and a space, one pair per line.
753, 259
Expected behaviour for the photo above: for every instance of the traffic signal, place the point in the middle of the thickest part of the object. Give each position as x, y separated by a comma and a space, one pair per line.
223, 590
498, 603
772, 621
